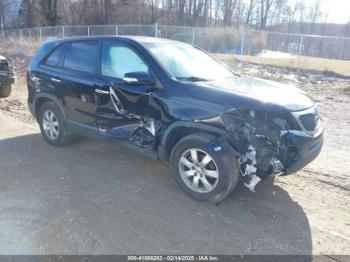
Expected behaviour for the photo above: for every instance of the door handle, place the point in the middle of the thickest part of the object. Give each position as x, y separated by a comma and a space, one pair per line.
53, 79
130, 80
103, 92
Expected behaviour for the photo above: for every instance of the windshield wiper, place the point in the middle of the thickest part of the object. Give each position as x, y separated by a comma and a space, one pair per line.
193, 79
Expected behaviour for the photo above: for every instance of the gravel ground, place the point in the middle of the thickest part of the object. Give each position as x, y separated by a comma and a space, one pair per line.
95, 198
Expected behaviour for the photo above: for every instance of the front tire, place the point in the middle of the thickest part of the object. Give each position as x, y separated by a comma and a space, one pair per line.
202, 174
52, 125
5, 91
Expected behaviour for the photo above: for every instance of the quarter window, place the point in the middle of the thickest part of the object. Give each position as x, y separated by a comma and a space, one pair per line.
55, 57
118, 60
82, 56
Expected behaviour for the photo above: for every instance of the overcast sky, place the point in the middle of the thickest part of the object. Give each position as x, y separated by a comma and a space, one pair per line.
338, 10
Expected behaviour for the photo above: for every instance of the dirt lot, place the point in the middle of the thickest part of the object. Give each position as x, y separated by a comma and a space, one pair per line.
93, 198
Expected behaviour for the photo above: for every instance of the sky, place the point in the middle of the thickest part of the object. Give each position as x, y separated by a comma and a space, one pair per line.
338, 10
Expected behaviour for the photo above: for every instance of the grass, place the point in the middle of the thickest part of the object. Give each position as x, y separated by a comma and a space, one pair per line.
18, 47
306, 63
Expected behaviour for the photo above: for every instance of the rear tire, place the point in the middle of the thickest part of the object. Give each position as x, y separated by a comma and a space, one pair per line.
5, 91
202, 174
53, 126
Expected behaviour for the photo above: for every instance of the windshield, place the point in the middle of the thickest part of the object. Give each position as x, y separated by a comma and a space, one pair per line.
186, 62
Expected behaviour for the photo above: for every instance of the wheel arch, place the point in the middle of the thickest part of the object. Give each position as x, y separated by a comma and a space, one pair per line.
178, 130
42, 98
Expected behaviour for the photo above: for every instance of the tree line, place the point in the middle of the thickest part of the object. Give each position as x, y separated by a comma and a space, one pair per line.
279, 15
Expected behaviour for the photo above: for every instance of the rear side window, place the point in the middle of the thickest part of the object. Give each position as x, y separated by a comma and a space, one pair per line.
82, 56
55, 58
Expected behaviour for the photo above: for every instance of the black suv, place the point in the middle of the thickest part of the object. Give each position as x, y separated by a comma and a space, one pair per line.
6, 78
173, 101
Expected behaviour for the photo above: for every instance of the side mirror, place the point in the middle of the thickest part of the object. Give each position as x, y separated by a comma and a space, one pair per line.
139, 78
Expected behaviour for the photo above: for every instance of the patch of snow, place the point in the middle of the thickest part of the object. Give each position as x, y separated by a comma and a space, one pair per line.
275, 54
2, 57
291, 77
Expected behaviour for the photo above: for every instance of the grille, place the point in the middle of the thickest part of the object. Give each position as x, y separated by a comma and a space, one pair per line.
309, 121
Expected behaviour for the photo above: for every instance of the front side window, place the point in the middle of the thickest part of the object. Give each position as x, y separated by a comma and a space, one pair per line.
186, 62
82, 56
118, 60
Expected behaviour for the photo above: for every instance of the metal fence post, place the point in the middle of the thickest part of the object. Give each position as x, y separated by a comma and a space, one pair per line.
193, 35
62, 31
242, 42
342, 49
88, 30
156, 30
301, 45
116, 30
40, 34
21, 33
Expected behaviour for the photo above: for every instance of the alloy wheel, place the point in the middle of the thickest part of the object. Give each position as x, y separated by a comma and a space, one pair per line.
51, 125
198, 170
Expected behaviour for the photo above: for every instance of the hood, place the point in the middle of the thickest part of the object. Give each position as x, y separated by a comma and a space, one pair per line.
252, 92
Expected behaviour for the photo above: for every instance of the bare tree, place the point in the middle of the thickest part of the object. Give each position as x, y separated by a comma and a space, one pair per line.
49, 12
228, 9
2, 15
265, 9
29, 13
252, 5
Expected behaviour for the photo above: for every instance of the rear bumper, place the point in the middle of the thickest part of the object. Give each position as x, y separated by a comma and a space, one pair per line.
306, 155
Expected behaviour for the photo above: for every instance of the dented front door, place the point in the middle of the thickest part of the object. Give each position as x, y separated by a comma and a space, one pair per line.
121, 105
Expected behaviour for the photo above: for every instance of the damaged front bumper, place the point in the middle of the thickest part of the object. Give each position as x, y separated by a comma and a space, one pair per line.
302, 150
284, 151
297, 149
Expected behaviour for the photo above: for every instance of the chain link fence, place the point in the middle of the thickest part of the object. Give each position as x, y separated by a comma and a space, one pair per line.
216, 40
